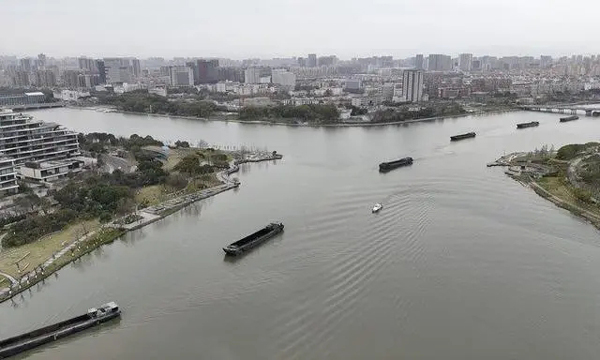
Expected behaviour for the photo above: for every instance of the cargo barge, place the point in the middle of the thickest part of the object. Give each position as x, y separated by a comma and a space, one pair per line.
569, 118
391, 165
35, 338
253, 240
462, 136
527, 125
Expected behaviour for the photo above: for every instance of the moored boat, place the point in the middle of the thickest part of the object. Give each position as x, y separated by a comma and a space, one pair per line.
462, 136
254, 239
391, 165
569, 118
526, 125
376, 208
35, 338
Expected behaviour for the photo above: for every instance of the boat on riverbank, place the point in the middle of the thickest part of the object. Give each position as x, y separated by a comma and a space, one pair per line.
569, 118
391, 165
462, 136
527, 125
35, 338
253, 240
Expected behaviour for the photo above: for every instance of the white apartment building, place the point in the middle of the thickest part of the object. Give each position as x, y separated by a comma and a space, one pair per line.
25, 140
412, 85
252, 76
181, 75
8, 176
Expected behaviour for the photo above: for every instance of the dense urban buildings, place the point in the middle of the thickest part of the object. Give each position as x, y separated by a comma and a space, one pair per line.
312, 60
439, 62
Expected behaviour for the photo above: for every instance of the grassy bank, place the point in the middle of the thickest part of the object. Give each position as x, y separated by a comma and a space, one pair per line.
42, 249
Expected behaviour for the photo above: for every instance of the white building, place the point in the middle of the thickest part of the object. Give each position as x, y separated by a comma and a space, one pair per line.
252, 76
8, 176
284, 78
24, 139
70, 95
412, 85
49, 171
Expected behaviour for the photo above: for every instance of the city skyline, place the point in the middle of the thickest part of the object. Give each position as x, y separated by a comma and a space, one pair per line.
267, 29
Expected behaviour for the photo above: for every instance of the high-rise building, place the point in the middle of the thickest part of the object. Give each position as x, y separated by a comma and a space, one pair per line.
118, 70
101, 71
284, 78
136, 68
439, 62
419, 62
312, 60
412, 85
25, 64
86, 64
20, 78
301, 62
41, 61
327, 60
45, 78
207, 71
70, 78
235, 74
181, 75
545, 61
252, 76
465, 62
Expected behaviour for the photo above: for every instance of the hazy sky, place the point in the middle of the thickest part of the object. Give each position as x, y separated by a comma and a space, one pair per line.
281, 28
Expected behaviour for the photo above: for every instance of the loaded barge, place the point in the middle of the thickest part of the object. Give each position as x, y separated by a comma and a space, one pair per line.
391, 165
569, 118
253, 240
32, 339
462, 136
529, 124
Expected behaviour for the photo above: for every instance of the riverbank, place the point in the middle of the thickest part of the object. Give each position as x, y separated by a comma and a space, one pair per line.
305, 124
48, 259
551, 178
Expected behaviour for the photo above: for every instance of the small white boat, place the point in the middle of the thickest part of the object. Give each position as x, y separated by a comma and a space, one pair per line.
377, 207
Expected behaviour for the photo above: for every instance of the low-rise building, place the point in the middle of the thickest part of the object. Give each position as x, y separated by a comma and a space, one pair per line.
49, 171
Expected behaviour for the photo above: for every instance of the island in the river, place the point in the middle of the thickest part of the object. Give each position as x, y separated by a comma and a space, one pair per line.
569, 177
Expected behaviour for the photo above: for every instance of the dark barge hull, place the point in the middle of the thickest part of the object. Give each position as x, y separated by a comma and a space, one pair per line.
35, 338
391, 165
526, 125
569, 118
462, 136
253, 240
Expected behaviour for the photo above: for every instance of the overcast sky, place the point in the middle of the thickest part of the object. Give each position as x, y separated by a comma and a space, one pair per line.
282, 28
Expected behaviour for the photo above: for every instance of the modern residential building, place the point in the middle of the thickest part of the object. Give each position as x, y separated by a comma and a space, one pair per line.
412, 85
252, 76
101, 70
22, 99
465, 62
27, 140
135, 67
44, 78
439, 62
419, 62
181, 76
20, 79
8, 176
207, 71
48, 171
25, 64
86, 64
312, 60
284, 78
353, 85
70, 78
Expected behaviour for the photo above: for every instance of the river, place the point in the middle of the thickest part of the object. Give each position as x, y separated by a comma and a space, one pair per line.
462, 262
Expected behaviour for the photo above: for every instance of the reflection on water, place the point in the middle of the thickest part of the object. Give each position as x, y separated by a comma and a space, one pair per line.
462, 262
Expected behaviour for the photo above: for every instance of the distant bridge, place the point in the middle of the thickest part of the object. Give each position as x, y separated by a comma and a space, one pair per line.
35, 106
563, 109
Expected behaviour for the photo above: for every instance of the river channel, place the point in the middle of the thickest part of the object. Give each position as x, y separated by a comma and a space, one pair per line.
462, 262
